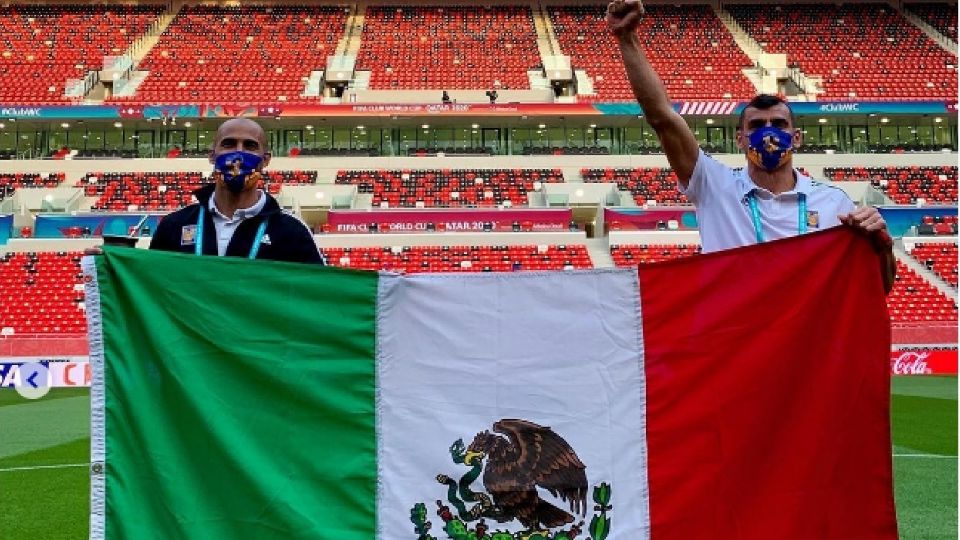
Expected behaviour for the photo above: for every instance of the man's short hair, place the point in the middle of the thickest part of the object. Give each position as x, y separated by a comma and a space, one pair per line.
763, 102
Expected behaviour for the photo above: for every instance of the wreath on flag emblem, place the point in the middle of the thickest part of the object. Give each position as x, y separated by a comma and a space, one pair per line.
516, 459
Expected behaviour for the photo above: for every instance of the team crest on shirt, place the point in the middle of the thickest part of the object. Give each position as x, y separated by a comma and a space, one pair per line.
188, 235
266, 240
813, 219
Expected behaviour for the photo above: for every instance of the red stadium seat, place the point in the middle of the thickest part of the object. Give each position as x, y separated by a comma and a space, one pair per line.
448, 47
694, 54
863, 52
414, 259
449, 188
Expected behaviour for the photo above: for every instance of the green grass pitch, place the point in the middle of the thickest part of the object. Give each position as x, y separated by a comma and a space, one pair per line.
44, 484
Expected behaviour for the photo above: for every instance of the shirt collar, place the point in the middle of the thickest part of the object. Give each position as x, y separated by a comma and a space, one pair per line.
240, 213
746, 185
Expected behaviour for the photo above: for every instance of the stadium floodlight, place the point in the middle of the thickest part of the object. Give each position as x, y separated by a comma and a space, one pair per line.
475, 126
822, 120
709, 121
884, 120
2, 125
65, 125
117, 125
542, 126
187, 124
938, 120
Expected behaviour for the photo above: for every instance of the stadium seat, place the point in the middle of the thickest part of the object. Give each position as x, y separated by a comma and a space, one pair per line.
914, 300
939, 258
448, 47
10, 182
634, 255
694, 54
41, 293
943, 17
863, 52
449, 188
263, 55
646, 184
163, 191
414, 259
44, 45
904, 185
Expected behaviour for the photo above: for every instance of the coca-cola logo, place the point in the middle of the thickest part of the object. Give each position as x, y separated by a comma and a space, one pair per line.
910, 363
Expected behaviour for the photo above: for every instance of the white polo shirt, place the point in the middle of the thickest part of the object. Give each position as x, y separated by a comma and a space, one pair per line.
226, 226
720, 194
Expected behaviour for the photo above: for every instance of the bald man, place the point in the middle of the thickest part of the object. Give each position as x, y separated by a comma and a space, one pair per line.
234, 217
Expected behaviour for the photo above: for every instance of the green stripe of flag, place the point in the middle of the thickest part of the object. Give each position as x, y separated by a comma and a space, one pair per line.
197, 446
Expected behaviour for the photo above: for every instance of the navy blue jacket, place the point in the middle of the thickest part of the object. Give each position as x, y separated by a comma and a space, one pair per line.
286, 237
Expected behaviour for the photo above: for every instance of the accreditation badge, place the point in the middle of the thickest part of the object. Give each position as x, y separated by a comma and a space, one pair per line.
813, 219
188, 235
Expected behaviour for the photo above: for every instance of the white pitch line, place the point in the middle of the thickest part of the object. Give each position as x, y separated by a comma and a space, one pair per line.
35, 467
929, 456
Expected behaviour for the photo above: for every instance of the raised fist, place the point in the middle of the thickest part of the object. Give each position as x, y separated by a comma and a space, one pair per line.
623, 16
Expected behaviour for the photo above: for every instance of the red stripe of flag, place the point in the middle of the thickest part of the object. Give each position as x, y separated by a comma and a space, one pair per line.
768, 387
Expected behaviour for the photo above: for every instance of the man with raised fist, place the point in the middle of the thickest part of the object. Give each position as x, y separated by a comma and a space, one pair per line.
766, 200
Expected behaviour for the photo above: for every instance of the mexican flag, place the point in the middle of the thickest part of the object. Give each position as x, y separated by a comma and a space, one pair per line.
737, 395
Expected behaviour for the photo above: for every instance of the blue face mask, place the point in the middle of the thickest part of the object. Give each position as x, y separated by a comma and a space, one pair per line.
770, 147
236, 167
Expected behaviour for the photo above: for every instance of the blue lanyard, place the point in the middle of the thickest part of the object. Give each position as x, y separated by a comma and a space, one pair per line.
254, 249
755, 214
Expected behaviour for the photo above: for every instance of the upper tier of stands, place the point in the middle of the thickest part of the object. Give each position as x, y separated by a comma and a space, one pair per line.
42, 46
449, 188
694, 54
943, 17
904, 185
156, 191
864, 52
249, 54
645, 184
449, 47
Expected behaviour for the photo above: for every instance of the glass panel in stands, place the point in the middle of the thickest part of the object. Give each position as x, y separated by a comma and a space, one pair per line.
57, 139
408, 140
443, 138
491, 139
386, 143
143, 142
204, 140
341, 138
322, 138
360, 139
292, 138
8, 140
575, 137
176, 137
603, 137
943, 135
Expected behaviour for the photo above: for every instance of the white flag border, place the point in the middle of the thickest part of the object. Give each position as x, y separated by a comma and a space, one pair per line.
98, 419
